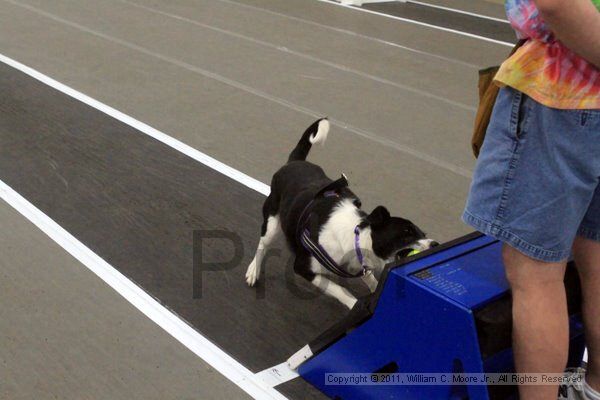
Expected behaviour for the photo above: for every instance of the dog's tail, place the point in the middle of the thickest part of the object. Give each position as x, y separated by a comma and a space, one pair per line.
316, 133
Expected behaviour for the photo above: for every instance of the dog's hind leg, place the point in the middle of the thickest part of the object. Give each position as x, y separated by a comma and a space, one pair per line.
271, 228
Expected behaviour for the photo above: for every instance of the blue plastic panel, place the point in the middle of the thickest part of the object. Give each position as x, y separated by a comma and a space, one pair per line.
472, 279
424, 322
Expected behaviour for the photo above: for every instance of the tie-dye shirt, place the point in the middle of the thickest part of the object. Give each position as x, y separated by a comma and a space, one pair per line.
545, 69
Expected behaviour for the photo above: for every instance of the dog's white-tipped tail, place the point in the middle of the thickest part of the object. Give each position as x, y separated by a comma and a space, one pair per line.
315, 133
321, 136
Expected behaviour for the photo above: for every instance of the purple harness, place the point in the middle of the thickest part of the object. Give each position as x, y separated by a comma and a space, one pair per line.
314, 248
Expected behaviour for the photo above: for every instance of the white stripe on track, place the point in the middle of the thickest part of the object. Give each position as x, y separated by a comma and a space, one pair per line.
253, 384
351, 33
189, 151
454, 10
412, 21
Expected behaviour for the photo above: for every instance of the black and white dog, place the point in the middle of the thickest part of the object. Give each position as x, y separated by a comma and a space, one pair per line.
325, 227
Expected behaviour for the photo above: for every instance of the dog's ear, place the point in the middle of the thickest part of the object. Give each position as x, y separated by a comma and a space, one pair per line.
379, 216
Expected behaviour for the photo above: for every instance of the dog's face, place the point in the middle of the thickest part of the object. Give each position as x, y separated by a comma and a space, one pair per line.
395, 237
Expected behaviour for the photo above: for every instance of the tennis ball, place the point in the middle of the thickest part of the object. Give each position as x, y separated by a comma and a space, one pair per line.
413, 253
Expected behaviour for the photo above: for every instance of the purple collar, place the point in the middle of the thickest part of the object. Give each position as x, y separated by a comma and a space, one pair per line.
357, 249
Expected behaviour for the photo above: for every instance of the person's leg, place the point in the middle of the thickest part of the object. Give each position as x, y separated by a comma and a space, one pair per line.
587, 259
533, 183
540, 319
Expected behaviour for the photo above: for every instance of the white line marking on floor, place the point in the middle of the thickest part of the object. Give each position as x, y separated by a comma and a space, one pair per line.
318, 60
461, 171
351, 33
412, 21
472, 14
226, 170
277, 374
251, 383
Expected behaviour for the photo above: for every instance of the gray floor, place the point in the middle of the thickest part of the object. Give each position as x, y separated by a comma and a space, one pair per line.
66, 335
485, 28
237, 79
490, 8
403, 119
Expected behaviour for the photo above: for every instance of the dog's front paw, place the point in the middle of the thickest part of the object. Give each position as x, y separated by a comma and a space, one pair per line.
252, 274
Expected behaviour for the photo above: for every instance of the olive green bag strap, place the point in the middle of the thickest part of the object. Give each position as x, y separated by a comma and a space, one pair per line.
488, 92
